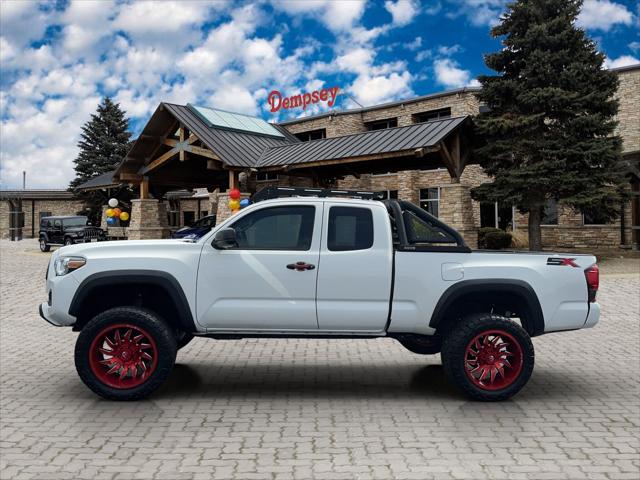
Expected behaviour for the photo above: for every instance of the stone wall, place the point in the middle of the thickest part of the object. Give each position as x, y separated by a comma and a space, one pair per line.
461, 103
32, 210
224, 211
148, 220
629, 109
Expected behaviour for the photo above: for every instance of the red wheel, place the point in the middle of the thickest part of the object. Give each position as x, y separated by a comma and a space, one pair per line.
493, 360
123, 356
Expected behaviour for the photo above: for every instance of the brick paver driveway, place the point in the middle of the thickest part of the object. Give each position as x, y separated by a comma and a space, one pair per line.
341, 409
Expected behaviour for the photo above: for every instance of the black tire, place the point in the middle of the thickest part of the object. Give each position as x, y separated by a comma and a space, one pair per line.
68, 241
183, 339
455, 358
161, 334
43, 245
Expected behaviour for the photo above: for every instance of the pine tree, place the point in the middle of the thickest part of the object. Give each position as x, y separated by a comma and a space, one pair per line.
103, 144
549, 130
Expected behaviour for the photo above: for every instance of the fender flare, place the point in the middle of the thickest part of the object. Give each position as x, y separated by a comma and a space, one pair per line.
145, 277
535, 318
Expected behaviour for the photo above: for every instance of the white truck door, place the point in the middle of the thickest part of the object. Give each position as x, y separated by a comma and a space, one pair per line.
354, 279
269, 281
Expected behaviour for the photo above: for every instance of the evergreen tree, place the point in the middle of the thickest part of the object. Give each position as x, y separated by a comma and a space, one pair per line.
548, 133
104, 142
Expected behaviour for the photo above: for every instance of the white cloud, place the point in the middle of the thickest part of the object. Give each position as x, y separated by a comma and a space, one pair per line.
622, 61
449, 74
635, 46
370, 90
335, 15
480, 13
22, 21
402, 11
415, 44
603, 14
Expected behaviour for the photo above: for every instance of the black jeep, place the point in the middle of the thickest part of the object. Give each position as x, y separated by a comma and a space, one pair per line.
67, 231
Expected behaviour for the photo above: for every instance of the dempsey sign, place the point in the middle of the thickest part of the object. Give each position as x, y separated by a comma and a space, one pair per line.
276, 101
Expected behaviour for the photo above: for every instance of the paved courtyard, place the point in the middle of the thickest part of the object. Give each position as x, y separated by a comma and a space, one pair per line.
342, 409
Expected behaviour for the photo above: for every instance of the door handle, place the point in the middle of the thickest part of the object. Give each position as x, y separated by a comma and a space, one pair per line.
300, 266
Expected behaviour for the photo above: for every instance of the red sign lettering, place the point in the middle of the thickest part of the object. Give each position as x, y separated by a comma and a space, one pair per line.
276, 102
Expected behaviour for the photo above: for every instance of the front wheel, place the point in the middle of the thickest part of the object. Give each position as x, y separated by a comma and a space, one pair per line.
43, 245
125, 353
488, 357
68, 241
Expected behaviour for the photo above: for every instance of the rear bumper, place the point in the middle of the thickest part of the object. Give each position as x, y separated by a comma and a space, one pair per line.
594, 315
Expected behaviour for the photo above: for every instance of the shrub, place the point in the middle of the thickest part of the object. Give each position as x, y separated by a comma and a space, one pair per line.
497, 240
482, 233
520, 239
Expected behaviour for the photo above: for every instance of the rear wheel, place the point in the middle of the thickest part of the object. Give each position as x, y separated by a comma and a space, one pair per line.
43, 245
125, 353
488, 357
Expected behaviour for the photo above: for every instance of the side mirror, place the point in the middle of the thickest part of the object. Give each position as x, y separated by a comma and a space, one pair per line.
225, 239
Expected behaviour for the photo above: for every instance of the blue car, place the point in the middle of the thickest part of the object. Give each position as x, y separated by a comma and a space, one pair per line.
196, 229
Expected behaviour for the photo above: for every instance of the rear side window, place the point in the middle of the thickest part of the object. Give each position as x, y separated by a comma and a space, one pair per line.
350, 229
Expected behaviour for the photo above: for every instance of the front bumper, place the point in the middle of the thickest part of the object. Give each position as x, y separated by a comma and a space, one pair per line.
45, 313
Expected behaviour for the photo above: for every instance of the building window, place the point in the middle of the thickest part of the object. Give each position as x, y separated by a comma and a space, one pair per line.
204, 213
266, 176
173, 212
389, 194
550, 213
496, 215
430, 200
189, 217
350, 229
431, 115
594, 218
382, 124
312, 135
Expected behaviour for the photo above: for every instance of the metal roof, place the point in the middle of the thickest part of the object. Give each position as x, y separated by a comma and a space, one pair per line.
235, 149
101, 181
390, 140
37, 194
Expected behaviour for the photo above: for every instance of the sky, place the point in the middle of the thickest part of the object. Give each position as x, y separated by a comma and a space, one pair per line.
58, 59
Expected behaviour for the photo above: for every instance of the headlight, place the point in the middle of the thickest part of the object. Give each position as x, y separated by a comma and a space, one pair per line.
65, 265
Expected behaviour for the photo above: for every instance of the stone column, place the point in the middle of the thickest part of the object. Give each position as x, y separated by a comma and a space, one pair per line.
148, 220
224, 211
457, 210
407, 186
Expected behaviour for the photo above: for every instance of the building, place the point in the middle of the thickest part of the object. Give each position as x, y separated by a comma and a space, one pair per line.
30, 206
416, 149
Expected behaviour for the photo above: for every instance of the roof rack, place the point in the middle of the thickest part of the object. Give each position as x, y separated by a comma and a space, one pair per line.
268, 193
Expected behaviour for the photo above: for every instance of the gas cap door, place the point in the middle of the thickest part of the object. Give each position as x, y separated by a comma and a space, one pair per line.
452, 272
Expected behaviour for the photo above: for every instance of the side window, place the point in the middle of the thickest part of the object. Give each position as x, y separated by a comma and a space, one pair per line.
350, 229
277, 228
422, 231
57, 223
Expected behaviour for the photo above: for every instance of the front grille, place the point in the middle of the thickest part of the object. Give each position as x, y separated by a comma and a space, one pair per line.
91, 233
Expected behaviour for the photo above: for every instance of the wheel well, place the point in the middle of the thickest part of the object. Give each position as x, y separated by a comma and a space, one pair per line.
155, 293
511, 302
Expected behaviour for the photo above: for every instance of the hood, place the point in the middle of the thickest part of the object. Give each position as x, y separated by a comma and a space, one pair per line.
89, 248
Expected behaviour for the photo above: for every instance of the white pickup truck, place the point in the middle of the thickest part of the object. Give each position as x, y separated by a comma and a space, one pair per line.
320, 266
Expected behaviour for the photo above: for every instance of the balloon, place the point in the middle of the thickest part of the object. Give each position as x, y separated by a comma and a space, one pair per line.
116, 212
234, 205
244, 202
234, 194
124, 216
110, 213
111, 221
113, 203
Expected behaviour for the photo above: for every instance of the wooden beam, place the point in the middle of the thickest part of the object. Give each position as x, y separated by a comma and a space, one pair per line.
159, 161
172, 142
204, 152
181, 154
450, 163
130, 177
144, 188
161, 140
192, 139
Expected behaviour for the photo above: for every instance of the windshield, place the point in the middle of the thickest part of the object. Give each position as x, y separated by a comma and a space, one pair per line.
75, 222
206, 222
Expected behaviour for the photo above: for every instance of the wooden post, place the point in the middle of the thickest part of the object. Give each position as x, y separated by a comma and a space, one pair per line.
233, 179
144, 188
181, 154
